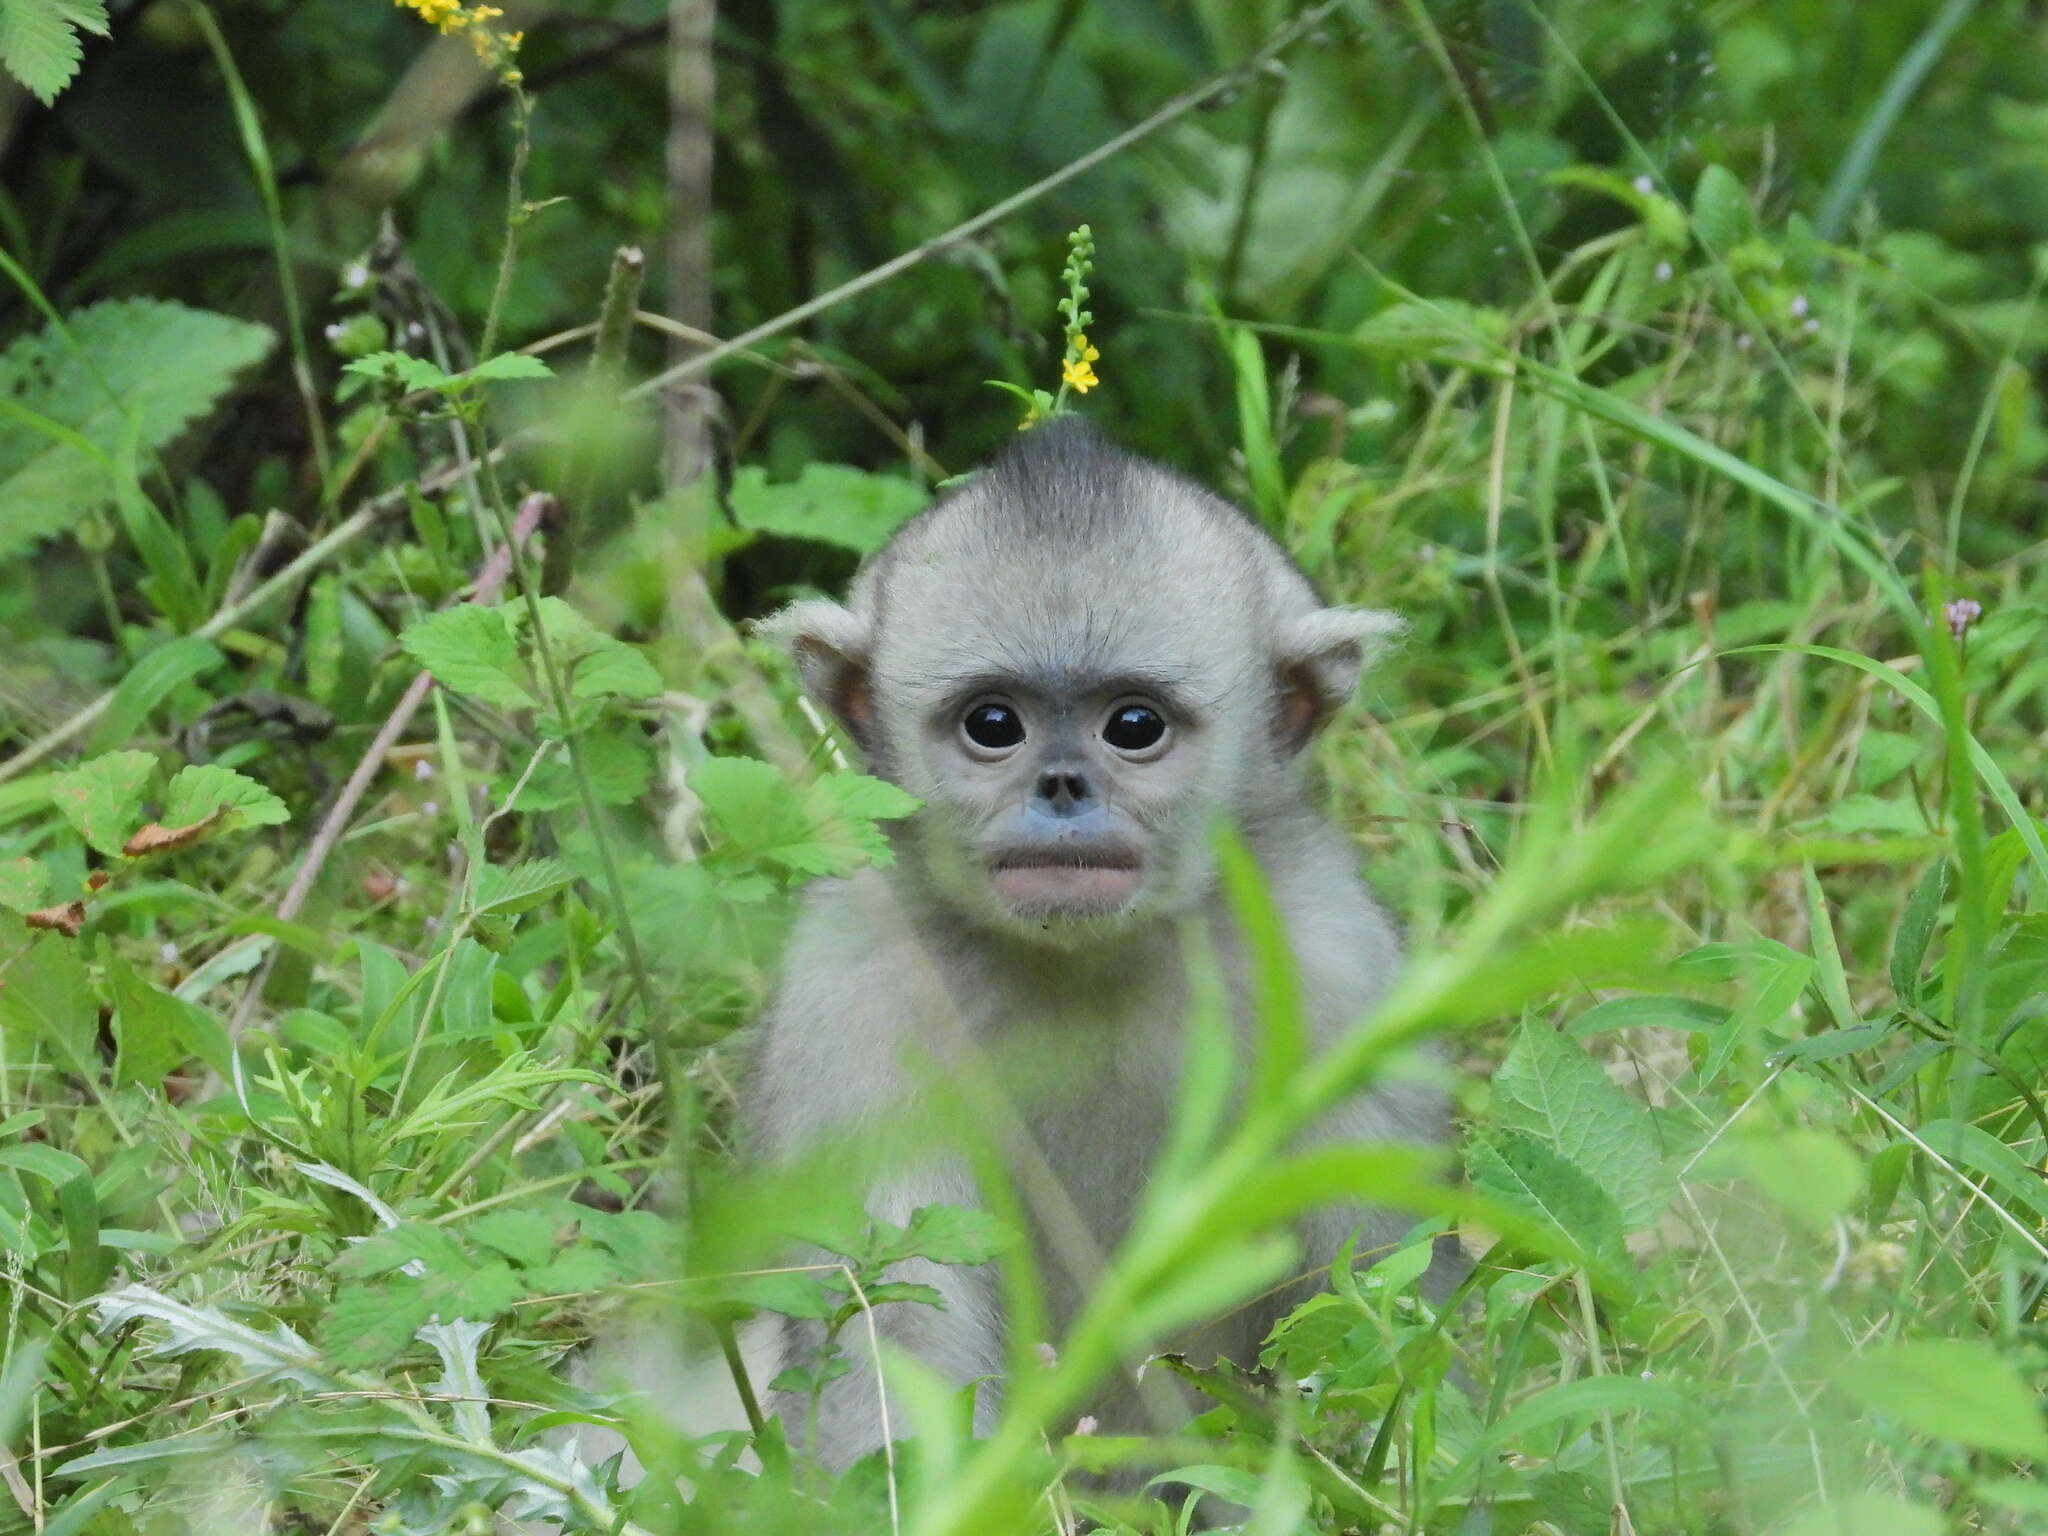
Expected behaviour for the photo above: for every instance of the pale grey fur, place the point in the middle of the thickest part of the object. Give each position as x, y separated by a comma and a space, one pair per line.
1065, 570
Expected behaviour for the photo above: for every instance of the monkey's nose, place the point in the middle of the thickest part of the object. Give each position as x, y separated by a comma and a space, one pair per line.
1063, 790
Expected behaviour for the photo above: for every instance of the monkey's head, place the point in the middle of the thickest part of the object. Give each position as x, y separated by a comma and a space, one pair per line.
1078, 660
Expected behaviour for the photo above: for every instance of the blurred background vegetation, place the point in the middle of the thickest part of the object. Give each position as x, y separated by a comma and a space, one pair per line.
1673, 367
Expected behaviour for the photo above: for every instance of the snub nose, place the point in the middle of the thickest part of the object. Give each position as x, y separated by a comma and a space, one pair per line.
1062, 789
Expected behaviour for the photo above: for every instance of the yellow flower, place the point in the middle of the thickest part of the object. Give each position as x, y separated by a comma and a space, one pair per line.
1077, 372
1082, 350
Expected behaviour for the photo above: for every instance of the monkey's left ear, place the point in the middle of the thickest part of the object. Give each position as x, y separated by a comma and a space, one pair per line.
1318, 660
830, 643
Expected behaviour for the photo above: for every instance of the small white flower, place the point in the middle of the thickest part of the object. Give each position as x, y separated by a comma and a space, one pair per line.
1812, 327
332, 333
355, 275
1047, 1355
1644, 185
1085, 1425
1742, 342
422, 769
167, 952
1663, 271
415, 331
430, 807
1798, 305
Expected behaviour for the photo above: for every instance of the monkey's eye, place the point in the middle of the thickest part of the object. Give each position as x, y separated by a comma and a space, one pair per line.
993, 726
1134, 728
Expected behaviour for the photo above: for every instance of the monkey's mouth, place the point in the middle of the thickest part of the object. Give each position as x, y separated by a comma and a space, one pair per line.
1044, 882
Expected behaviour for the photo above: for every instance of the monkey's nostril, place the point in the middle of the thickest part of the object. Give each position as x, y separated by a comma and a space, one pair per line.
1062, 788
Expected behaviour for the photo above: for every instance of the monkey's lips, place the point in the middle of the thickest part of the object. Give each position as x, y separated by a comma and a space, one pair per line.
1065, 881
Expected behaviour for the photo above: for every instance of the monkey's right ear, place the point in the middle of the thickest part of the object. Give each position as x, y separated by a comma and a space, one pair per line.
1320, 657
830, 643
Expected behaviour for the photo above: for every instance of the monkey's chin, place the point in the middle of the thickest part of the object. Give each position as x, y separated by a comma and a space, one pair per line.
1064, 890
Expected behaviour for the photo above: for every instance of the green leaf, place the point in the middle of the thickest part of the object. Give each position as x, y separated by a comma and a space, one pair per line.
102, 799
148, 683
146, 1026
1552, 1092
64, 400
510, 365
827, 503
365, 1325
527, 1238
412, 372
1721, 214
842, 809
200, 789
949, 1234
277, 1353
1580, 1218
470, 649
48, 1000
24, 883
39, 41
1813, 1175
1952, 1389
599, 665
1916, 931
506, 892
616, 759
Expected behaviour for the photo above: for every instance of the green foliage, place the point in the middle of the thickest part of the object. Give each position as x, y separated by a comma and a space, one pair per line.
112, 379
1673, 371
39, 40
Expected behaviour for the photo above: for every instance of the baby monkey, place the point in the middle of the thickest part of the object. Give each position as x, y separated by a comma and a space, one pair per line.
1079, 661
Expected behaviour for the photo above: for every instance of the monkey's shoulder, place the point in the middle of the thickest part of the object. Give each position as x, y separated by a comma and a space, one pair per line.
854, 982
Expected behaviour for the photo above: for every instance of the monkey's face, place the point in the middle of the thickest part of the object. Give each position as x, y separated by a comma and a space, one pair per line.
1054, 806
1071, 746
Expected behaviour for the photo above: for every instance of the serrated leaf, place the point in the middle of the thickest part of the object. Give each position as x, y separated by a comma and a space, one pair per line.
415, 1248
1551, 1091
412, 372
748, 801
618, 762
162, 363
598, 665
274, 1353
527, 1238
102, 799
39, 41
471, 649
829, 503
1561, 1199
507, 892
510, 365
951, 1234
365, 1325
23, 884
199, 790
1952, 1389
841, 810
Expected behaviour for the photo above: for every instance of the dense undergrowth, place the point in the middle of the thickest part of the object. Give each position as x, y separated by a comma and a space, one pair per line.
397, 826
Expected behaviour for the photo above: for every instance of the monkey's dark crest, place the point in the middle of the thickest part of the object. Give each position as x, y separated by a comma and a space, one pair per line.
1078, 661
